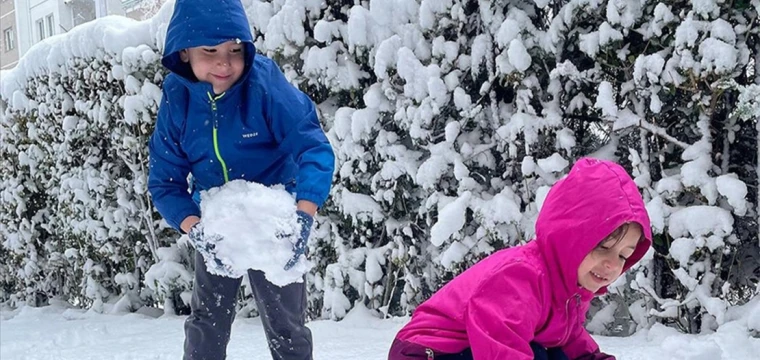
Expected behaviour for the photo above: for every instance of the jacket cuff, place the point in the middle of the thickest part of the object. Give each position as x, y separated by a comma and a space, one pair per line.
176, 219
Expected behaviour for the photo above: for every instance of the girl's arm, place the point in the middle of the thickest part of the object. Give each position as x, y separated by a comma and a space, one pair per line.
502, 316
582, 346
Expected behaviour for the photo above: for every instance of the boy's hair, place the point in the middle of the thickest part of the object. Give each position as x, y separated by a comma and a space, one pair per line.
618, 234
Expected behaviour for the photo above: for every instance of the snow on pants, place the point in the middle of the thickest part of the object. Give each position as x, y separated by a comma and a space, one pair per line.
282, 311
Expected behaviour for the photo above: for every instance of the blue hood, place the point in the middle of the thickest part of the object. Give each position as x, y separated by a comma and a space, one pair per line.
205, 23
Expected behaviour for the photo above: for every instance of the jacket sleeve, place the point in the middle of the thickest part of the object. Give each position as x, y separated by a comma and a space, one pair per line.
169, 168
295, 125
502, 316
582, 346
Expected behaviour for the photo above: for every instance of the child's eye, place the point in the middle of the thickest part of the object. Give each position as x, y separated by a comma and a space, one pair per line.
623, 258
210, 50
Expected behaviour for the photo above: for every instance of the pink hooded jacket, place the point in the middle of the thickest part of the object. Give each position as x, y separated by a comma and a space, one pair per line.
530, 293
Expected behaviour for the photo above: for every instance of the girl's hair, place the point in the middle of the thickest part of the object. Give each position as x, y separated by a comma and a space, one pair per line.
618, 234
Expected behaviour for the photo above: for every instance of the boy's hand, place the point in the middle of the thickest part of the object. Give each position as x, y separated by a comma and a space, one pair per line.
206, 246
305, 220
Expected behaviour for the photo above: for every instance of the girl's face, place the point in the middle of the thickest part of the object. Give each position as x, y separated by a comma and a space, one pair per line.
605, 263
220, 65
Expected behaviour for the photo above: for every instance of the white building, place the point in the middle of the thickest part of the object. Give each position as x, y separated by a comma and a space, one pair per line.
9, 46
39, 19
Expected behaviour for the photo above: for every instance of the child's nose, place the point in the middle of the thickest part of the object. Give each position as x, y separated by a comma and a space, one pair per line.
224, 60
611, 263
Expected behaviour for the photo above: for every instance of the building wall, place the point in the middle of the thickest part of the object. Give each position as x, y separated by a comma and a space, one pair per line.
66, 15
38, 12
9, 52
24, 26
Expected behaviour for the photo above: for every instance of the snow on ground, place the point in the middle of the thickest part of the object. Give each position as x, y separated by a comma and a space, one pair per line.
54, 332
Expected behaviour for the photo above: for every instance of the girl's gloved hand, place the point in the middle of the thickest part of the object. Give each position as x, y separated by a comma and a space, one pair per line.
306, 221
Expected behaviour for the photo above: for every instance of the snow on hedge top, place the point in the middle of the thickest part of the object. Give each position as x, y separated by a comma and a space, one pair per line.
114, 36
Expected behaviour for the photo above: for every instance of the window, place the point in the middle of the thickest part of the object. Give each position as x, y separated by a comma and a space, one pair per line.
50, 25
10, 39
45, 27
81, 12
40, 29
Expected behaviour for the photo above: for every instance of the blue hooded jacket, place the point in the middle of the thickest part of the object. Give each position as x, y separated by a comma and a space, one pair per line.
262, 129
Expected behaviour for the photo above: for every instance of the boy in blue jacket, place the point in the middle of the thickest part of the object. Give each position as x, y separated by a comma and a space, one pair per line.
226, 114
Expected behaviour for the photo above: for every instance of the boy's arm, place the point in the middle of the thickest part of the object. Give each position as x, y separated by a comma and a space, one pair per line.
582, 346
167, 179
295, 125
504, 312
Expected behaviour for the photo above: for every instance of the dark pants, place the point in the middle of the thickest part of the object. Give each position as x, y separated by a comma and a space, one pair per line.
404, 350
282, 311
542, 353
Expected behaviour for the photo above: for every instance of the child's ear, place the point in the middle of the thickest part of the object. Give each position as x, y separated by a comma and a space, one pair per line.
183, 55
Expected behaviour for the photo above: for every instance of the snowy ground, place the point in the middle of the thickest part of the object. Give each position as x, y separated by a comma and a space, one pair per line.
57, 333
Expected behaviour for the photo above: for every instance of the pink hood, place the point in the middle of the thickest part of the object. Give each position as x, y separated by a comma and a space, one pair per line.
530, 293
580, 210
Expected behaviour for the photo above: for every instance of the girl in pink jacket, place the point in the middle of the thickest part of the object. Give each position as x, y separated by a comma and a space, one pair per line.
518, 302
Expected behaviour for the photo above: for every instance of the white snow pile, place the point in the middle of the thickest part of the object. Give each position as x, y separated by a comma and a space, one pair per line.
258, 226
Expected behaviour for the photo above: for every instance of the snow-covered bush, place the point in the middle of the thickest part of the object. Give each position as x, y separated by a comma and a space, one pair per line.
450, 120
77, 221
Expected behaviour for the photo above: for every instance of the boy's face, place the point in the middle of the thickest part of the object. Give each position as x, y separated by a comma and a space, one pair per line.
220, 65
605, 263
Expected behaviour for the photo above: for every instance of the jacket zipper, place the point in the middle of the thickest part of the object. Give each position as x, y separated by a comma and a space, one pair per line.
569, 328
213, 100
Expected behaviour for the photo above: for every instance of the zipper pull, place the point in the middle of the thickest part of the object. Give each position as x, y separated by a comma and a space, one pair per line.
211, 101
430, 354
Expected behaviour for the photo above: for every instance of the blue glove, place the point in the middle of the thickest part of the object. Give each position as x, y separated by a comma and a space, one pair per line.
305, 220
206, 246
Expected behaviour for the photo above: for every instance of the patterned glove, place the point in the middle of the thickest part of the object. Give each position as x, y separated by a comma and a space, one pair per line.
206, 246
305, 220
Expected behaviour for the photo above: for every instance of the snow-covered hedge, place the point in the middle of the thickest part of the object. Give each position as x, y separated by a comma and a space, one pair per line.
450, 120
77, 221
